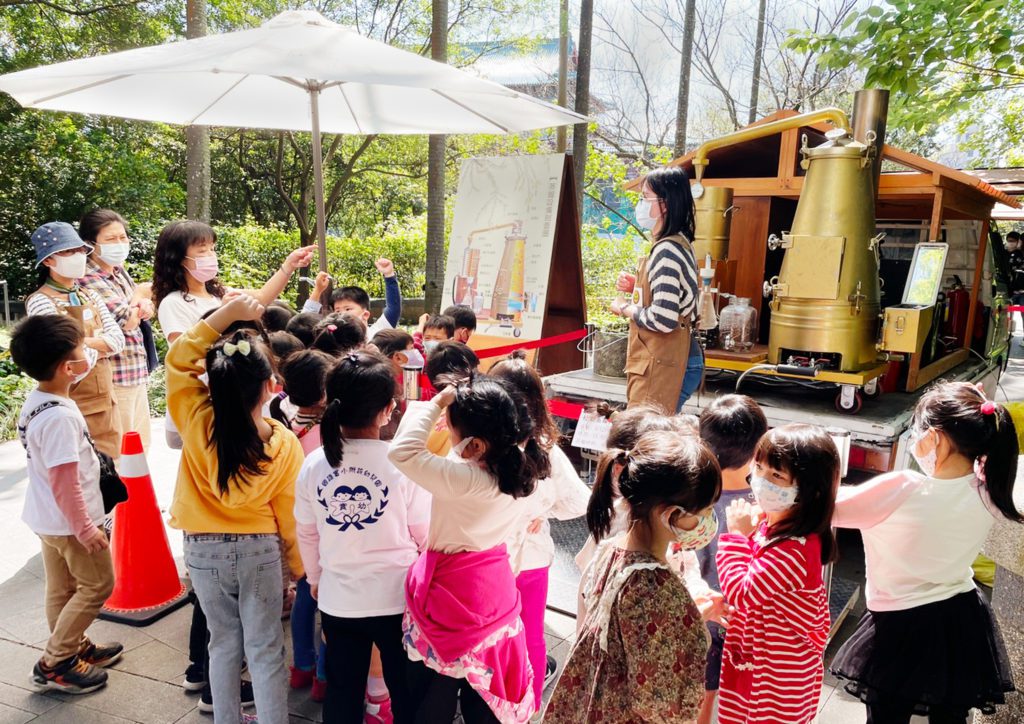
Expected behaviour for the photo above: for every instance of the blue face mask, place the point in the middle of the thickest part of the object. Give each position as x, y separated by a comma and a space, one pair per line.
771, 497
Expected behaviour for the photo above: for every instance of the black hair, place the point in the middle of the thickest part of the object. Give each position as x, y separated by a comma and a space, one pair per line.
41, 342
392, 341
463, 316
980, 430
441, 321
284, 344
358, 387
1014, 234
237, 383
630, 424
302, 326
304, 374
351, 294
732, 425
487, 410
93, 222
663, 468
168, 262
810, 456
525, 380
450, 359
242, 325
672, 185
339, 333
276, 317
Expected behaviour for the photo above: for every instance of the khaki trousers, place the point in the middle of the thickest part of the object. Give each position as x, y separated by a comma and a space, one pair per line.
133, 410
78, 583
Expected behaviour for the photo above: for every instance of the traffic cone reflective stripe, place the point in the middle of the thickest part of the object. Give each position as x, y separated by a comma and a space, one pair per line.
146, 583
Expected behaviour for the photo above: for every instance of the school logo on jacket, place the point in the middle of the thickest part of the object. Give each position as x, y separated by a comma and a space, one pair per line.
357, 502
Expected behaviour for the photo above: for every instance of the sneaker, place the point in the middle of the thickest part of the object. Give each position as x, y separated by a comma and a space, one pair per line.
206, 698
72, 676
195, 678
102, 655
300, 679
378, 712
319, 693
551, 672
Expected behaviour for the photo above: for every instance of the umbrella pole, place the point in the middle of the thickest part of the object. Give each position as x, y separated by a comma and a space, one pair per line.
318, 175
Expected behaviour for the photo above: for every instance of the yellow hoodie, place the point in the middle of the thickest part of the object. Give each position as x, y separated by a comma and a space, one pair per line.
254, 504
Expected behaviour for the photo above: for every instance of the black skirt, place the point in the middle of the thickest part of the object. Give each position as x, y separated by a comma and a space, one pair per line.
947, 655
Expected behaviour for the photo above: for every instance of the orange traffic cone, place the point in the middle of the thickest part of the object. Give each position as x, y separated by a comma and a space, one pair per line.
146, 583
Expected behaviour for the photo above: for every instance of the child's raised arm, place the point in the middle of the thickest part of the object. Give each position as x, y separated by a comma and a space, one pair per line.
392, 292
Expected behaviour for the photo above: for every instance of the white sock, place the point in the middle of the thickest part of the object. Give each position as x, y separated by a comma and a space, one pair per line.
376, 690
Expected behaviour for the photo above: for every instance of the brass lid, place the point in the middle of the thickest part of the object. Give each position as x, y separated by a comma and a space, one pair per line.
838, 144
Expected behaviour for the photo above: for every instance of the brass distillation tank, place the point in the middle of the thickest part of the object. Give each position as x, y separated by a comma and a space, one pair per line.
825, 301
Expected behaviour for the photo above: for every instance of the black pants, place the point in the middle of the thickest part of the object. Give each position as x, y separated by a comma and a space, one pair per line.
436, 697
198, 636
886, 712
349, 643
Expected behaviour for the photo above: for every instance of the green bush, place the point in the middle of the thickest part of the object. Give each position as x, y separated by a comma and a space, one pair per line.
604, 256
157, 392
14, 388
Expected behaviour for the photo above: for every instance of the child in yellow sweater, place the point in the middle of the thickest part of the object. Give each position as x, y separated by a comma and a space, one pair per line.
234, 496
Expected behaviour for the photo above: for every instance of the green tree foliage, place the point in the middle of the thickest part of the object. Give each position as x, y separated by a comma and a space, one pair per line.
942, 60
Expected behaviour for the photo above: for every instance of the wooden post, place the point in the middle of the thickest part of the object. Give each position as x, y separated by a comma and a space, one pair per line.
979, 266
935, 228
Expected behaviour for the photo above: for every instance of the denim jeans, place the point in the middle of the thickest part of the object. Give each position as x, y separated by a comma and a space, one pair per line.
694, 372
238, 581
303, 620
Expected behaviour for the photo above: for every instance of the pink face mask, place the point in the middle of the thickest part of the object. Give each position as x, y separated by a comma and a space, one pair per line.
206, 268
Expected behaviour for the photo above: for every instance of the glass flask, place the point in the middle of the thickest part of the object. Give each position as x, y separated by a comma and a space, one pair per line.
737, 325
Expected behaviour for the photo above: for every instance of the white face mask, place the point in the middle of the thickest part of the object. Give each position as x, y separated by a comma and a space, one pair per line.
930, 460
82, 375
643, 214
429, 345
413, 358
771, 497
700, 536
71, 267
457, 450
113, 254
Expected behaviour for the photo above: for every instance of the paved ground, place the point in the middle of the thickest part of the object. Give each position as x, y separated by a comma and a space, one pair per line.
145, 685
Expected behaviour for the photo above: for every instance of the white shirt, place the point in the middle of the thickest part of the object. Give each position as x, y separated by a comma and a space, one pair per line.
56, 436
363, 511
562, 496
178, 314
921, 535
468, 511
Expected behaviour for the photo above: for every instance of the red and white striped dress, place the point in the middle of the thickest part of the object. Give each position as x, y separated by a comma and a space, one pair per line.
772, 661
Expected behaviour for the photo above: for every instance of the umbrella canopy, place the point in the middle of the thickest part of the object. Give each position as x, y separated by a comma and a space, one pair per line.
298, 72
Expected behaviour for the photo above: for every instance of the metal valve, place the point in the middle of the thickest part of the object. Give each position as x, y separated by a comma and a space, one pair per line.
774, 242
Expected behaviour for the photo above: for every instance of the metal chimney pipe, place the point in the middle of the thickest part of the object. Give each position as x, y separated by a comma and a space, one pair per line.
870, 112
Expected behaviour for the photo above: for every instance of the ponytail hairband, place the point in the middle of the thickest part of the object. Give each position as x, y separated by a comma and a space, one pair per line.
332, 328
988, 407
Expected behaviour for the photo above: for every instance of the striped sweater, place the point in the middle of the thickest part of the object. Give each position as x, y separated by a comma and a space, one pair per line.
39, 303
772, 660
672, 272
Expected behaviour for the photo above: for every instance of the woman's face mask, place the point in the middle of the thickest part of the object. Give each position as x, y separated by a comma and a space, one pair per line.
114, 253
71, 266
205, 267
644, 212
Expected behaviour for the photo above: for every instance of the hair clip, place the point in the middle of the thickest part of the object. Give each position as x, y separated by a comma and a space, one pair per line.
332, 328
352, 357
243, 347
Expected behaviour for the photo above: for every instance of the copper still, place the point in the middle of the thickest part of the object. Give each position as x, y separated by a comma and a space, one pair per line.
825, 300
713, 220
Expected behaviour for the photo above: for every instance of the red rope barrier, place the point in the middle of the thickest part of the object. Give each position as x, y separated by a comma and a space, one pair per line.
537, 344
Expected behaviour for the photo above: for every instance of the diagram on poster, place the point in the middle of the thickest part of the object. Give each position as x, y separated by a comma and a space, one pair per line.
499, 251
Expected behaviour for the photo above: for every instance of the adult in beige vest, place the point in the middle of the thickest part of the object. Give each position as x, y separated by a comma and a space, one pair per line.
62, 254
664, 293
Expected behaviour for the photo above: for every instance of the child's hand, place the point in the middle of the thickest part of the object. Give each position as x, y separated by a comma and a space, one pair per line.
320, 284
314, 591
445, 397
740, 517
713, 607
535, 526
423, 322
244, 308
299, 258
385, 267
96, 541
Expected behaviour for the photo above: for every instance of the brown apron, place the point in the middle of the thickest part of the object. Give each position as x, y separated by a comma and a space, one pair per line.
95, 394
655, 361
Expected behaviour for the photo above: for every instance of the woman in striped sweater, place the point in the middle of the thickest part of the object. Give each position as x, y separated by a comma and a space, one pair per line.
770, 567
661, 349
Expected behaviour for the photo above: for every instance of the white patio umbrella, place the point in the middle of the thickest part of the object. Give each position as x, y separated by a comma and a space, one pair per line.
298, 72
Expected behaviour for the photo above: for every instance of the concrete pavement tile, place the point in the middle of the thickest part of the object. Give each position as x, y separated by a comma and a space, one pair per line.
302, 708
74, 712
173, 629
21, 697
21, 596
553, 641
559, 624
12, 715
131, 637
155, 660
16, 662
28, 626
138, 699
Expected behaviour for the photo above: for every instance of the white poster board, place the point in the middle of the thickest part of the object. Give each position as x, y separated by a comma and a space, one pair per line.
500, 247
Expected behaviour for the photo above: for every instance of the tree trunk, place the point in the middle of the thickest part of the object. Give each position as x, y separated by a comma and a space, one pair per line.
197, 138
755, 83
563, 69
683, 99
579, 133
435, 175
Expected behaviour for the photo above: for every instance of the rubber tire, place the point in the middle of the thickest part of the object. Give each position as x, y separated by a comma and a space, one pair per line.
858, 402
